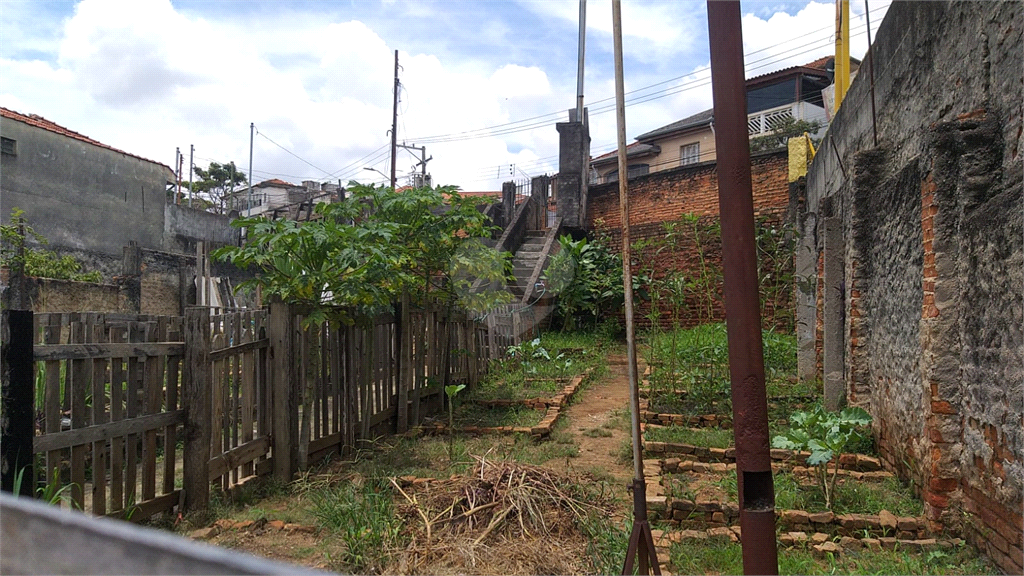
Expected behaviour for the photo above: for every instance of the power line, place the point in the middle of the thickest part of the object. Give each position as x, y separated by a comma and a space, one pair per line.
292, 153
545, 119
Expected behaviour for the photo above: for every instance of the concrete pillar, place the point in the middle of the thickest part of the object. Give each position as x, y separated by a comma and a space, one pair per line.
832, 316
573, 164
806, 300
508, 201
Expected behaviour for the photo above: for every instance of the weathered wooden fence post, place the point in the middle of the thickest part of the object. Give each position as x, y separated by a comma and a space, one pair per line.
285, 404
404, 365
16, 381
196, 393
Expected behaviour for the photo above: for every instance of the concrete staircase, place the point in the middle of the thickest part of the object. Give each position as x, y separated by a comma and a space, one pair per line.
525, 261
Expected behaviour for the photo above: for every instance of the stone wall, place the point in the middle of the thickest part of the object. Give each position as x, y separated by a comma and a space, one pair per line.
933, 294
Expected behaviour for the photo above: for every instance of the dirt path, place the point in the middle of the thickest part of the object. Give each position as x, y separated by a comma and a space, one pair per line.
599, 424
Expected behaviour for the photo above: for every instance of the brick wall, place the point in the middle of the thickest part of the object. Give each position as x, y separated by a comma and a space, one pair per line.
658, 201
666, 195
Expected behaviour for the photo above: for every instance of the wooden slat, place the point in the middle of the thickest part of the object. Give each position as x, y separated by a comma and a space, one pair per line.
136, 333
51, 393
232, 459
238, 349
145, 510
117, 401
171, 431
235, 383
87, 351
80, 384
100, 416
217, 400
108, 431
153, 387
248, 396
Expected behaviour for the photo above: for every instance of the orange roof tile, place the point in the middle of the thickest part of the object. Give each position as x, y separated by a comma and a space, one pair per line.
40, 122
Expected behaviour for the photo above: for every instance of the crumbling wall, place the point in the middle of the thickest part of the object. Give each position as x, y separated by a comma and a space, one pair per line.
934, 287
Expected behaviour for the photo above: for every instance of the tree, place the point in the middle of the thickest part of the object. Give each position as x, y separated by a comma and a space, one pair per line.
217, 182
359, 255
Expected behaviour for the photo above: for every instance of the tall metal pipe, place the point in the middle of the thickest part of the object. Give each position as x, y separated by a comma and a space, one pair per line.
742, 306
579, 67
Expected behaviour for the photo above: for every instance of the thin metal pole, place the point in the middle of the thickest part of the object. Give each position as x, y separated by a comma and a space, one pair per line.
579, 73
177, 165
394, 127
641, 542
252, 131
742, 307
871, 62
191, 155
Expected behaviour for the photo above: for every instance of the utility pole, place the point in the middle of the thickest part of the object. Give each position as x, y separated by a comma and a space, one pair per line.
842, 61
252, 129
394, 127
641, 540
177, 164
423, 160
579, 72
191, 155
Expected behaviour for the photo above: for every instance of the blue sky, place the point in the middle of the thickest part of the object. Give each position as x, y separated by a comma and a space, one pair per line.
315, 77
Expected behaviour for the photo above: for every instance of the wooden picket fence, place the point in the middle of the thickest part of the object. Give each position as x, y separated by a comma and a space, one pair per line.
140, 414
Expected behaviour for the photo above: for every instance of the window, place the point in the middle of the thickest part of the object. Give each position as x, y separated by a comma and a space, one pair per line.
689, 154
8, 146
633, 171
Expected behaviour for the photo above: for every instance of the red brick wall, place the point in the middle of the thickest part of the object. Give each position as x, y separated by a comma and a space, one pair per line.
667, 195
662, 197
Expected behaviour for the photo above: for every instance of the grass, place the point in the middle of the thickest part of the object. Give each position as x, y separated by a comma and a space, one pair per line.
696, 360
468, 414
553, 355
706, 437
718, 557
363, 517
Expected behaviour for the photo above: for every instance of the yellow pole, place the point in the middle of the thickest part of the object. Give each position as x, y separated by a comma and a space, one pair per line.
842, 63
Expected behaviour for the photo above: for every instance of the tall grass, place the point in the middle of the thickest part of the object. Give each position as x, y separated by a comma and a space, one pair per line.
363, 517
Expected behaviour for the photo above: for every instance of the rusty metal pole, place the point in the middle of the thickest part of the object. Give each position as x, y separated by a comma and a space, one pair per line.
742, 307
641, 541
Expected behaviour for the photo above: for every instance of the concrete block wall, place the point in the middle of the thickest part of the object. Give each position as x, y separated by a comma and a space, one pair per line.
934, 220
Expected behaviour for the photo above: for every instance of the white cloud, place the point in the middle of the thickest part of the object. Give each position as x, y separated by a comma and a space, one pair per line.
148, 76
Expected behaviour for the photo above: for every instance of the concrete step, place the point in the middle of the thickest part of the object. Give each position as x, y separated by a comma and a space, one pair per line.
536, 233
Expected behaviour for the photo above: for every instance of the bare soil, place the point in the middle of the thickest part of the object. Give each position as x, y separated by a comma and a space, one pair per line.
597, 422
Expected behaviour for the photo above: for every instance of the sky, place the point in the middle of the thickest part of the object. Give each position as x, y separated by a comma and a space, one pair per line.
482, 82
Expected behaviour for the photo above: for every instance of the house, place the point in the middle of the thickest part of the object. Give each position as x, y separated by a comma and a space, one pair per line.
773, 98
280, 198
73, 187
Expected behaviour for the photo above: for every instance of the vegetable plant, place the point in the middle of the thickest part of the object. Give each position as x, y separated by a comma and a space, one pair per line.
825, 435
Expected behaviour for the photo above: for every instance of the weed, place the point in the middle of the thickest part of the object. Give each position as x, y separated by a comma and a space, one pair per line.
363, 517
706, 437
597, 433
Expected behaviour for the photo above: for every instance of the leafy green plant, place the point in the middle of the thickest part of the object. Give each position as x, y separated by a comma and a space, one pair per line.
826, 435
37, 262
587, 278
451, 391
359, 255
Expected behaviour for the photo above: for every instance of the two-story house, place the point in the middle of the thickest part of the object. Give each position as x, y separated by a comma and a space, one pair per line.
772, 99
281, 199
